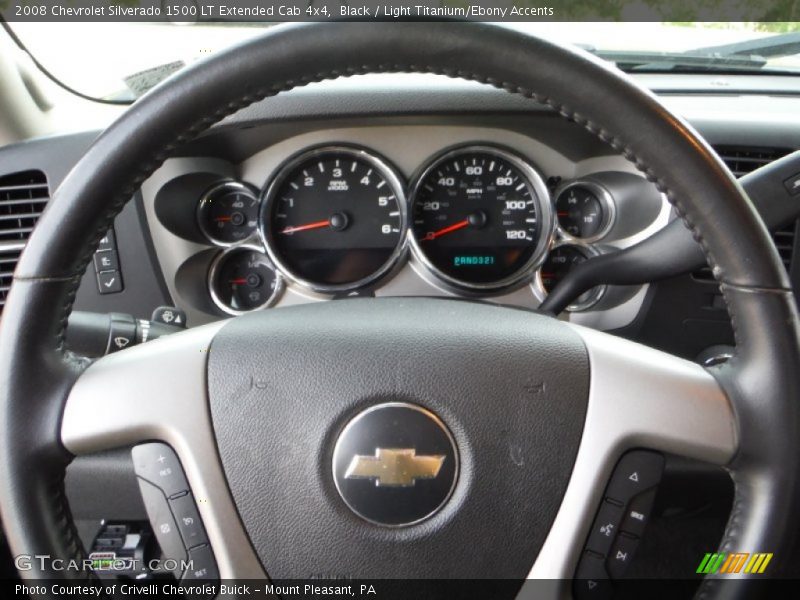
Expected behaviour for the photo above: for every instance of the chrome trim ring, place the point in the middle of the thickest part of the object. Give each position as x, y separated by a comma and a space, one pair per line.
606, 202
215, 267
593, 296
268, 199
544, 213
205, 203
433, 417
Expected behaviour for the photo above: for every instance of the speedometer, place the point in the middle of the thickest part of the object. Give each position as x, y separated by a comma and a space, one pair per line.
334, 219
481, 218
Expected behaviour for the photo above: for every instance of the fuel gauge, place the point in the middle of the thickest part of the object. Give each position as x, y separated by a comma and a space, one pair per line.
242, 279
561, 259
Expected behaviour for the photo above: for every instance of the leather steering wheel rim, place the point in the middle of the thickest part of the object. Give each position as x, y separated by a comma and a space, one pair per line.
37, 373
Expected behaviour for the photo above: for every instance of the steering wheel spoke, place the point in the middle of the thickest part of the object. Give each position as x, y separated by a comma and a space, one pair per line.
157, 391
638, 398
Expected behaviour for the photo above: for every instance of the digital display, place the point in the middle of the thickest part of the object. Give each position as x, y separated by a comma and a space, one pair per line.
473, 261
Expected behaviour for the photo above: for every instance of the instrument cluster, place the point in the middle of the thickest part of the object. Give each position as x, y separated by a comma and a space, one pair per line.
475, 220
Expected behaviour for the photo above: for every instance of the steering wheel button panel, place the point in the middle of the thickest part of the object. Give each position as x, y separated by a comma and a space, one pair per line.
621, 554
189, 523
203, 565
636, 472
164, 525
158, 464
591, 579
605, 528
638, 513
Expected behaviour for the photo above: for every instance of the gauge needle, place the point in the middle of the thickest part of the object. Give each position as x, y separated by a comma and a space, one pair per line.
241, 281
306, 227
223, 218
444, 231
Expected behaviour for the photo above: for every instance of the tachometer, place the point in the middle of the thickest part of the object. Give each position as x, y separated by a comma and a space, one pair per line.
481, 218
334, 219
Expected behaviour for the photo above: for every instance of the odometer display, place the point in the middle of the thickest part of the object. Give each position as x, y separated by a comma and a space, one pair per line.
481, 218
334, 219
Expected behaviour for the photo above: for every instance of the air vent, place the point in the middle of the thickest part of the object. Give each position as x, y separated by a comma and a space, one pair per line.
741, 161
23, 197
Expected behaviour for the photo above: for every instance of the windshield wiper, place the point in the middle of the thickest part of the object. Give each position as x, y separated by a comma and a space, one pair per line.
669, 61
774, 46
747, 55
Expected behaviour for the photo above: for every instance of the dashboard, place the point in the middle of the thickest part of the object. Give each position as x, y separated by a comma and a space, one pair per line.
429, 187
465, 211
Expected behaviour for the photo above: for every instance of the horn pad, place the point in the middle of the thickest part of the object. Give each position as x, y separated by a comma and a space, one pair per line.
509, 387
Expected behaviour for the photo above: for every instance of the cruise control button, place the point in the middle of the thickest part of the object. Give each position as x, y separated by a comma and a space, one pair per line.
188, 520
158, 464
638, 513
636, 472
621, 554
605, 528
202, 565
591, 579
163, 524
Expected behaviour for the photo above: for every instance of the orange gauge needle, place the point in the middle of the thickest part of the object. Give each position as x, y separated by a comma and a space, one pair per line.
432, 235
306, 227
220, 219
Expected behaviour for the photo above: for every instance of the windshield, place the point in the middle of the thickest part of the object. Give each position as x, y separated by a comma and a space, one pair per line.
120, 61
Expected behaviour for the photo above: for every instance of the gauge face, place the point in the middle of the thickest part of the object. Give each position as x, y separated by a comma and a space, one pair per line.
334, 219
242, 279
480, 218
228, 213
558, 263
583, 211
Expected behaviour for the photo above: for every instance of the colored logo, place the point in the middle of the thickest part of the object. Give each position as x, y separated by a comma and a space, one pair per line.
734, 562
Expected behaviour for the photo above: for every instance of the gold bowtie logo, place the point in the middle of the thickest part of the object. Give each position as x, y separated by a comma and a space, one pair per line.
394, 467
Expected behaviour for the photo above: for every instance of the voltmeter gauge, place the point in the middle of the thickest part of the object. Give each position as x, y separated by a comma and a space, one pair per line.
584, 211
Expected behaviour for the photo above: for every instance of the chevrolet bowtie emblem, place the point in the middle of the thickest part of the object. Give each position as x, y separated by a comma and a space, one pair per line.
394, 467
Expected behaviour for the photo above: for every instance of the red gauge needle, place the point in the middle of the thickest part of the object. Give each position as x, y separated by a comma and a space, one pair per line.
241, 281
563, 214
432, 235
223, 218
306, 227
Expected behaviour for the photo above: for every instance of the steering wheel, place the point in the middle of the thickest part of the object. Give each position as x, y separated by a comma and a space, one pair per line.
528, 414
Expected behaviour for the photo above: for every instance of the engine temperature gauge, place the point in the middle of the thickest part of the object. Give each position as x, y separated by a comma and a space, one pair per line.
242, 279
561, 259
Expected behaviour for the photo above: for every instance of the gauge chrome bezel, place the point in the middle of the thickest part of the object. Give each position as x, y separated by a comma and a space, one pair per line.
204, 204
545, 214
268, 198
597, 293
216, 265
607, 204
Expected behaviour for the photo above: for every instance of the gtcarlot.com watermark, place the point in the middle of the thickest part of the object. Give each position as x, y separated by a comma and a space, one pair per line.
27, 562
